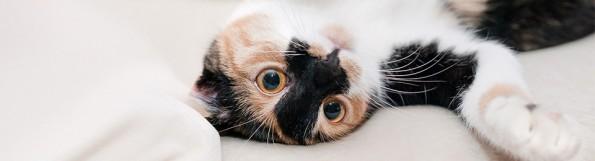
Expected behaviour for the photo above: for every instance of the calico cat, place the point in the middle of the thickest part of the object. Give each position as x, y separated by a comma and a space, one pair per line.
303, 72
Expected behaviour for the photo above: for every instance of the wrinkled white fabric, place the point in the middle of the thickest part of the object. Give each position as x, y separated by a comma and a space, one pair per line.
106, 80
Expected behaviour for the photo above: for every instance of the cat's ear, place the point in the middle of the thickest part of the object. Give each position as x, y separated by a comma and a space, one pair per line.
206, 87
210, 85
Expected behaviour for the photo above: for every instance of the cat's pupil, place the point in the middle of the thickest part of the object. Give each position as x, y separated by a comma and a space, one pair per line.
332, 110
271, 80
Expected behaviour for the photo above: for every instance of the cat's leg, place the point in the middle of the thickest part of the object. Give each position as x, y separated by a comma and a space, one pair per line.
499, 107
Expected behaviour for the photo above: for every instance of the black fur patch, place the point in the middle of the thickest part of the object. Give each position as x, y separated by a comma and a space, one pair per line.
534, 24
312, 80
420, 74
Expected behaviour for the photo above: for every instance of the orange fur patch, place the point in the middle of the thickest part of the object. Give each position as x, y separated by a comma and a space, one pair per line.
354, 116
237, 37
339, 36
470, 11
316, 50
499, 90
352, 70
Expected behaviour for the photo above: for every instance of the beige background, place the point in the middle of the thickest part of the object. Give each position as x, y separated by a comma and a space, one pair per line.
101, 80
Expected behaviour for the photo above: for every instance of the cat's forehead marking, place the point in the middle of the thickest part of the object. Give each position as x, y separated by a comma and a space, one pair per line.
316, 50
331, 37
339, 36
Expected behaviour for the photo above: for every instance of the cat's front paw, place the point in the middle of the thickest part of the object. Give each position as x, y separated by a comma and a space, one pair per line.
528, 131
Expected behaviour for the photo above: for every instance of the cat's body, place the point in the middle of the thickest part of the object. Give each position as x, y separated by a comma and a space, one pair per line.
301, 73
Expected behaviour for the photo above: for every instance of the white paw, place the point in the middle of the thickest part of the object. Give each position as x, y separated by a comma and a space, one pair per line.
528, 131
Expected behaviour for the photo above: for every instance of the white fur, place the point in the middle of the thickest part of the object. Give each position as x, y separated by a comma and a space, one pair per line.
379, 26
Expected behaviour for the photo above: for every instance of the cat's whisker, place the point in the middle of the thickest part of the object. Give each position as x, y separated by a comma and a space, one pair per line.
298, 44
273, 137
380, 101
375, 104
406, 65
276, 51
295, 54
400, 96
401, 59
251, 135
255, 50
387, 99
321, 138
402, 99
271, 131
441, 71
269, 123
399, 69
255, 131
425, 95
394, 105
242, 124
306, 129
399, 82
374, 101
290, 53
417, 67
413, 80
407, 92
268, 133
459, 91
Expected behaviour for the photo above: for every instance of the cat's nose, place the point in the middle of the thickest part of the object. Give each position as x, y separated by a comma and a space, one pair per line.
333, 57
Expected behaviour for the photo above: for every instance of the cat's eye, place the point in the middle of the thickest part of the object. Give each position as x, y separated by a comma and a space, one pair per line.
271, 81
333, 109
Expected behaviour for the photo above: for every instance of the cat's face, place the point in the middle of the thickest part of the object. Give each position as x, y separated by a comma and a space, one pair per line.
263, 84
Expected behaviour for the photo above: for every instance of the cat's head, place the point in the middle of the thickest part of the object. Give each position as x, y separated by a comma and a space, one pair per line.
262, 82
